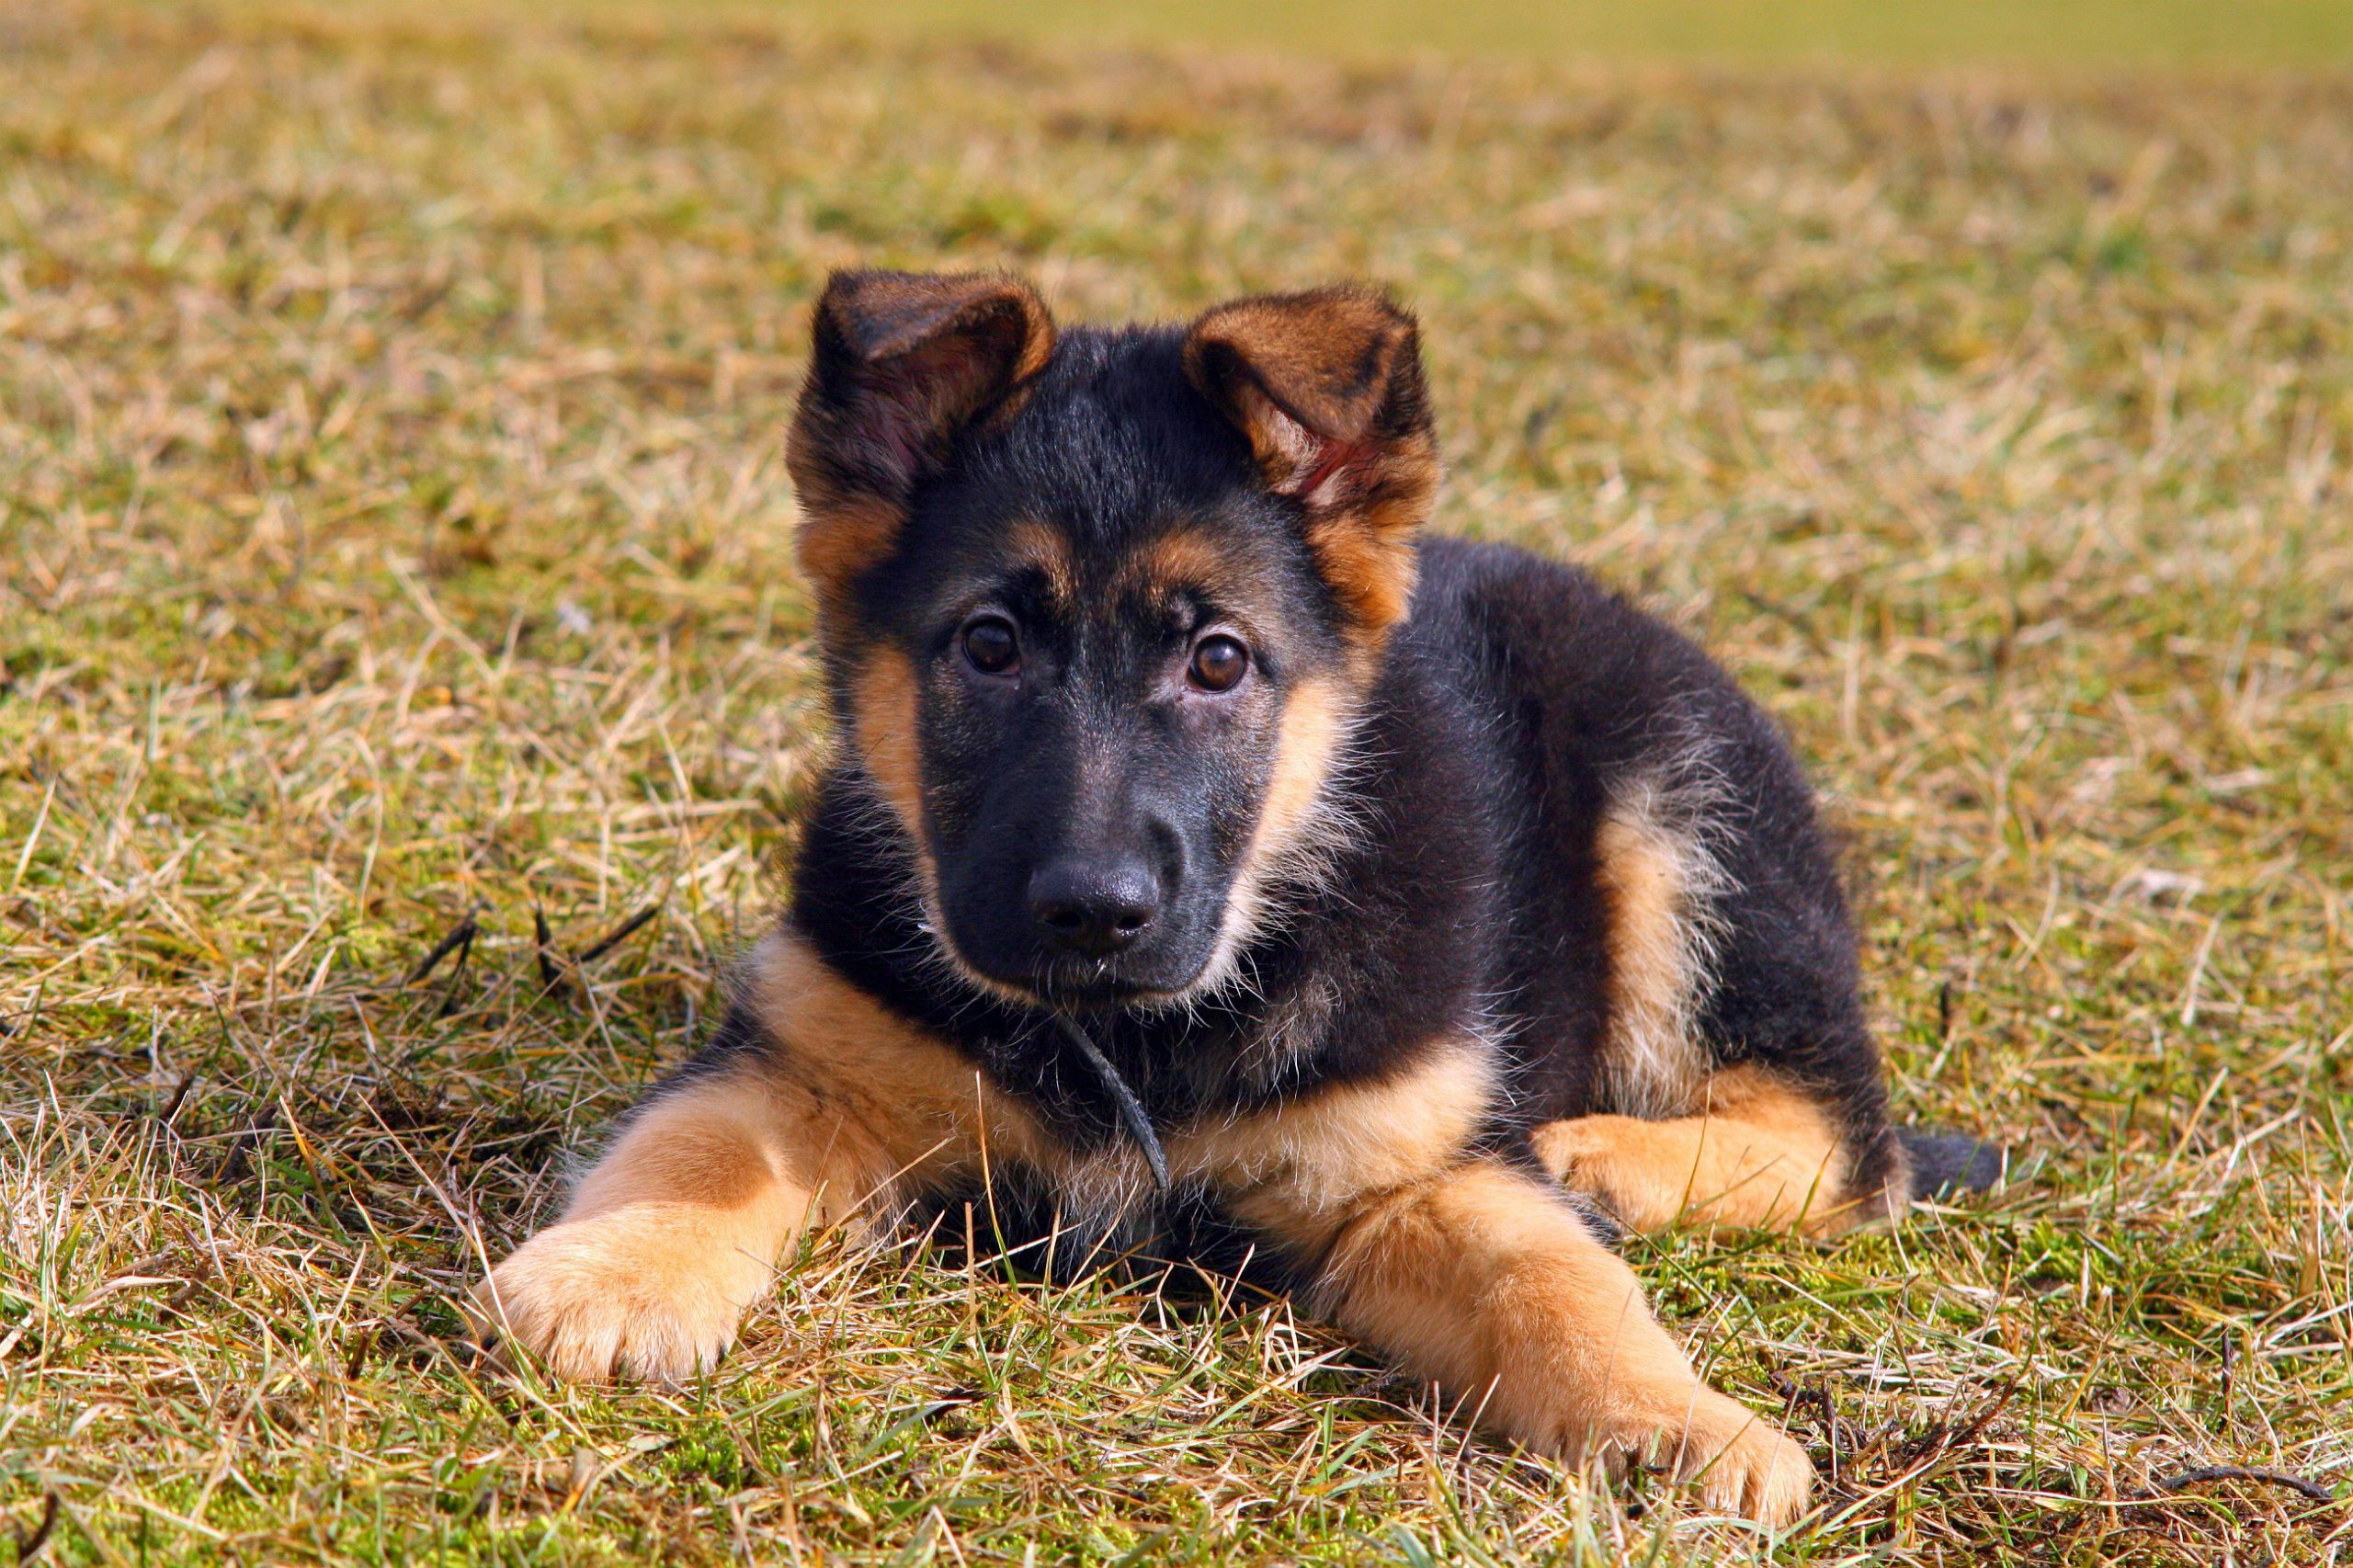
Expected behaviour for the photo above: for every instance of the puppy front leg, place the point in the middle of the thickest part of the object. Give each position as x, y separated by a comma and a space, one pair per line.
676, 1231
1482, 1279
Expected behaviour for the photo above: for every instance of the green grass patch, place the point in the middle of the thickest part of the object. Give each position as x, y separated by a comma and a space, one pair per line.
2074, 34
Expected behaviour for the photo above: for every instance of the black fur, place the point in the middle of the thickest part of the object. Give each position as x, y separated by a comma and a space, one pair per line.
1517, 700
1106, 458
1575, 693
1944, 1162
1508, 706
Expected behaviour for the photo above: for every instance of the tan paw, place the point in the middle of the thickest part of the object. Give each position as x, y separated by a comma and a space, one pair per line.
644, 1294
1610, 1158
1735, 1460
1739, 1461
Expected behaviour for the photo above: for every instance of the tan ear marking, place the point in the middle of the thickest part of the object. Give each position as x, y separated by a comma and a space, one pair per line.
900, 363
1327, 387
1341, 361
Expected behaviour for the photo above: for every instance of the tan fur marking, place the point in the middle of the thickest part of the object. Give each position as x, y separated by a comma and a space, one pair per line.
675, 1230
1761, 1155
883, 717
1032, 543
1360, 521
1372, 569
1314, 721
704, 1146
1287, 451
672, 1235
1306, 1161
1301, 1165
883, 698
1331, 355
1309, 734
1654, 876
1476, 1277
1480, 1279
1186, 558
926, 1106
840, 536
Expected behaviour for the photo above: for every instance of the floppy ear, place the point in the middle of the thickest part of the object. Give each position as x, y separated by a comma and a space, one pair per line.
899, 363
1327, 385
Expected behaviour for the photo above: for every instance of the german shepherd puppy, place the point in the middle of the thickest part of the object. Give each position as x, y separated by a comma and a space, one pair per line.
1209, 858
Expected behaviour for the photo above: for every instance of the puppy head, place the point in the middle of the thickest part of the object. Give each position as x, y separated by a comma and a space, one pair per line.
1099, 608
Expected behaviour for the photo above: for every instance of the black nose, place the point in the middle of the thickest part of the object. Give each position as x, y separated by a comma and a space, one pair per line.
1093, 907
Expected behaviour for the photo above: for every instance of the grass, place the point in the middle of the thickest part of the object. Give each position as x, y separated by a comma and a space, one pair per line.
393, 531
2069, 36
2112, 33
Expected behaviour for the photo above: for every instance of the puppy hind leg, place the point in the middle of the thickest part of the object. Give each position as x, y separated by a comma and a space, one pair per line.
1762, 1155
1486, 1282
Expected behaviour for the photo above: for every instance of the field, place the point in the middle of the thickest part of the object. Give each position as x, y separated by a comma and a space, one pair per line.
394, 545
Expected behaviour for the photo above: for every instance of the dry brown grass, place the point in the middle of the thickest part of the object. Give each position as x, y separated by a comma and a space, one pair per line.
391, 529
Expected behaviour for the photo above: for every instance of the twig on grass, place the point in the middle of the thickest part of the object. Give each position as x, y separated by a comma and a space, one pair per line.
551, 966
558, 972
179, 1098
28, 1543
621, 933
1839, 1435
2309, 1488
1940, 1438
461, 934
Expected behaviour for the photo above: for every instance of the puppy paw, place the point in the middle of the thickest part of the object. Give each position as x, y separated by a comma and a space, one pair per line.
635, 1293
1737, 1461
1610, 1158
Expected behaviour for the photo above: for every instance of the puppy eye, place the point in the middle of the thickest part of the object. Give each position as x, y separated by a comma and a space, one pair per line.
991, 645
1218, 664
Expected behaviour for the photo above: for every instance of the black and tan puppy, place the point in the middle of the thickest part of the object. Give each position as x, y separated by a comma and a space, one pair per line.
1209, 858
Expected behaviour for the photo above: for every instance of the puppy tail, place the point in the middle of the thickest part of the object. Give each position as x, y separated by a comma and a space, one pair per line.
1946, 1163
